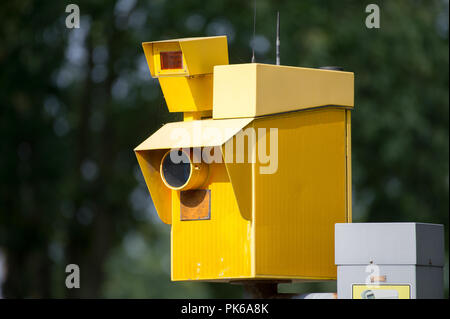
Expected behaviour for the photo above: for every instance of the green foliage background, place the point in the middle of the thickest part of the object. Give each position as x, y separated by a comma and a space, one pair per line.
74, 103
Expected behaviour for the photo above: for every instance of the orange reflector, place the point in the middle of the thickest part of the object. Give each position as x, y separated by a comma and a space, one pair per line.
171, 60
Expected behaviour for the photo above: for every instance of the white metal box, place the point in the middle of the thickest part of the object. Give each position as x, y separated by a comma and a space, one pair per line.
389, 260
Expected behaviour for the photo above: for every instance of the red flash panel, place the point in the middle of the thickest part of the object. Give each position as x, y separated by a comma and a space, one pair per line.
171, 60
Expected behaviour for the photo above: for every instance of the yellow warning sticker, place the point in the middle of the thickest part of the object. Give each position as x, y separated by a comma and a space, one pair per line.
381, 292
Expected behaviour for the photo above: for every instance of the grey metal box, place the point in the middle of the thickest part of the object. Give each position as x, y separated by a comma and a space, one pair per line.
391, 258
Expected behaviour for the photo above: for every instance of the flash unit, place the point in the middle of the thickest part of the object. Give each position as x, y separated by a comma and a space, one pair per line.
171, 60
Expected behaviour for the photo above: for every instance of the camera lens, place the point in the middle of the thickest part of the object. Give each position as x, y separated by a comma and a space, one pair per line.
183, 170
176, 168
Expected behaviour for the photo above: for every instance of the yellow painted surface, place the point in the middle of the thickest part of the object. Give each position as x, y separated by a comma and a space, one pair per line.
200, 55
193, 134
194, 116
167, 47
235, 91
213, 249
149, 162
262, 226
199, 133
387, 291
266, 226
187, 94
250, 90
296, 208
189, 89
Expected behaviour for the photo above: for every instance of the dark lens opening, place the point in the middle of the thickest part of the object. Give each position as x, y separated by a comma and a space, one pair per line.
176, 174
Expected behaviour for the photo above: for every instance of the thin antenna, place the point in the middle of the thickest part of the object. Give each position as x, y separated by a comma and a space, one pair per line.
278, 39
254, 32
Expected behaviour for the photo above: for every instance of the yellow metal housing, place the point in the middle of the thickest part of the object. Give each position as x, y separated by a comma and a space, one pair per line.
295, 209
277, 226
262, 226
178, 135
189, 88
198, 172
253, 89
